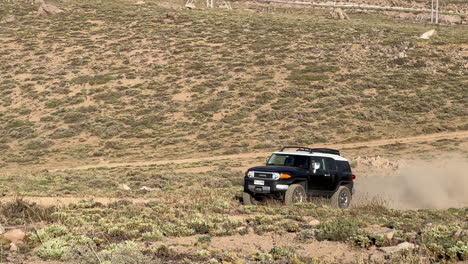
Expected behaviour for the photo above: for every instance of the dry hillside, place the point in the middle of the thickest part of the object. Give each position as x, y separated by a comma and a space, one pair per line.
113, 79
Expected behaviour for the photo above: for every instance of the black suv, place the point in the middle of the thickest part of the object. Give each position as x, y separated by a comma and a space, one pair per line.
293, 176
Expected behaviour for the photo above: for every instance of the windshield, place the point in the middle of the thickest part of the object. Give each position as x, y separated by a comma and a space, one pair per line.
289, 160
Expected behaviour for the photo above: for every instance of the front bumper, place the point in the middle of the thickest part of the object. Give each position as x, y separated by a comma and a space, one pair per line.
269, 186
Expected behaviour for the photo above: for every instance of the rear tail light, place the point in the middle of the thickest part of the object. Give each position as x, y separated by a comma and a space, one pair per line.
353, 176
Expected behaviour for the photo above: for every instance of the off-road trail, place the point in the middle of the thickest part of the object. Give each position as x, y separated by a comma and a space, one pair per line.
57, 201
372, 143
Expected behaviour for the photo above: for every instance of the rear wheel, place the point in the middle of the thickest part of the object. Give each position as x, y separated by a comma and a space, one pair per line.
341, 198
295, 194
249, 199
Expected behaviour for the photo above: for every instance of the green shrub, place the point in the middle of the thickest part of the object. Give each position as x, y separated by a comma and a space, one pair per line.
204, 240
361, 241
54, 249
38, 144
441, 243
126, 252
280, 252
262, 257
338, 229
51, 232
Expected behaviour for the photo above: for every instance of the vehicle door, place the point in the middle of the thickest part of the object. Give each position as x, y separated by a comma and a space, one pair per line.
331, 174
317, 178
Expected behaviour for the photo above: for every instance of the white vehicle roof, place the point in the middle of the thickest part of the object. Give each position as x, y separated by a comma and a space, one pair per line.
313, 154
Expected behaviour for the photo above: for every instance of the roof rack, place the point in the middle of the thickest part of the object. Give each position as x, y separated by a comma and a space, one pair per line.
311, 150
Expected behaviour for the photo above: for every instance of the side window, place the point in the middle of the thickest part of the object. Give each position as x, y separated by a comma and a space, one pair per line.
330, 164
343, 166
320, 161
346, 166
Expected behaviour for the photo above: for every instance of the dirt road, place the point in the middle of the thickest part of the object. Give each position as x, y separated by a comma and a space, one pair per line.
373, 143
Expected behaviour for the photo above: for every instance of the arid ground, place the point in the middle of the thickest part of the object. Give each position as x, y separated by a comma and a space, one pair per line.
126, 128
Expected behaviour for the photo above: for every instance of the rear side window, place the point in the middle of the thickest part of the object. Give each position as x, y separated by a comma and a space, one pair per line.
330, 164
343, 166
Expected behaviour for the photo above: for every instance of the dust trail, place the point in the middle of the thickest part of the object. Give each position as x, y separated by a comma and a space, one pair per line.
435, 184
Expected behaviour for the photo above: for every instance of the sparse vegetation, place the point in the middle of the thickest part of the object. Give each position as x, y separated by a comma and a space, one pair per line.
130, 228
113, 77
112, 80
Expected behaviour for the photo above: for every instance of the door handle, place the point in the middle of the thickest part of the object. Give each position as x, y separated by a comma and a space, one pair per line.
326, 175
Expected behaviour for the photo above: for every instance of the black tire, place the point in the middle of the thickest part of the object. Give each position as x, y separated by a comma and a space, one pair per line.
341, 198
248, 199
295, 194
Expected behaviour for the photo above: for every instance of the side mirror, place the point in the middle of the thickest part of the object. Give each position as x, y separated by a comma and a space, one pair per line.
315, 167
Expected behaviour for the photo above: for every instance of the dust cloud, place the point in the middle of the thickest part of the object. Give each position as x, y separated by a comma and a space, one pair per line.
436, 184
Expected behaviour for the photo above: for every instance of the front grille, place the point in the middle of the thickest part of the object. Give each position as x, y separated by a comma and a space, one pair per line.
263, 175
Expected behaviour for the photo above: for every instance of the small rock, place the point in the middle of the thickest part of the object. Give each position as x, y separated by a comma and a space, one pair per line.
140, 3
428, 34
13, 247
172, 15
314, 222
48, 10
447, 19
213, 261
2, 229
124, 187
15, 235
402, 55
146, 188
397, 248
9, 19
338, 13
190, 6
376, 258
461, 233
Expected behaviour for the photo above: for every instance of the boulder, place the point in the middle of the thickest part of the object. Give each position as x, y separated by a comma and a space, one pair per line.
397, 248
15, 236
380, 231
428, 34
190, 6
48, 10
338, 13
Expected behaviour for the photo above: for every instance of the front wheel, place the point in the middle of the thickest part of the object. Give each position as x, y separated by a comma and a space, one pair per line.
248, 199
341, 198
295, 194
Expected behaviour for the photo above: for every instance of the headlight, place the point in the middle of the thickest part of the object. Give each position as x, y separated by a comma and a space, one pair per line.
250, 174
275, 176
